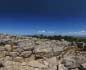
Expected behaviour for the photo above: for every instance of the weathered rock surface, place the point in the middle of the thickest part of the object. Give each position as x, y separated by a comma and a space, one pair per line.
27, 53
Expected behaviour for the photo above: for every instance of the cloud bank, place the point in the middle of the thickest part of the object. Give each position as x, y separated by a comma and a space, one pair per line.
82, 32
45, 32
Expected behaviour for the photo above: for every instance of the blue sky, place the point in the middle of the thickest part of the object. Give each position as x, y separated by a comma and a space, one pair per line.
43, 17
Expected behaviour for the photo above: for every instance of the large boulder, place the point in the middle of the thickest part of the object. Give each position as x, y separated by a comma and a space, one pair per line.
26, 54
84, 65
37, 64
18, 59
8, 47
13, 54
18, 49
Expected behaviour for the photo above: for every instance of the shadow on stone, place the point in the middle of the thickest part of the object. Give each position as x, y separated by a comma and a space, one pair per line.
1, 65
82, 68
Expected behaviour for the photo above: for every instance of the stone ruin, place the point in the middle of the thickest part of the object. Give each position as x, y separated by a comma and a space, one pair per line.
39, 54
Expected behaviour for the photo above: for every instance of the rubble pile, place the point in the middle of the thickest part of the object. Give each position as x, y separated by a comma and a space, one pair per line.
28, 53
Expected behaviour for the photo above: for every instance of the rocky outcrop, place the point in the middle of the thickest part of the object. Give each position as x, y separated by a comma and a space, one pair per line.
27, 53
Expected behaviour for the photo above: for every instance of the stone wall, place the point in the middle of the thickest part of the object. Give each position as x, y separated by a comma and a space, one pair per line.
38, 54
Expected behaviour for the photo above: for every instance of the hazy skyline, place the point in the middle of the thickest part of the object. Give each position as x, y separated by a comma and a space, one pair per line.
43, 16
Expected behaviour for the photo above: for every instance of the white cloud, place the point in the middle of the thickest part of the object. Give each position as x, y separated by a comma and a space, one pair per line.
41, 31
51, 32
76, 32
82, 32
69, 32
45, 32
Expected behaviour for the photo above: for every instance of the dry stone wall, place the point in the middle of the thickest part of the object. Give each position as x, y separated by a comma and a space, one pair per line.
38, 54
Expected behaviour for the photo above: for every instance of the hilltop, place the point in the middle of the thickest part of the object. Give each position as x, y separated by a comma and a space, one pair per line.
41, 53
